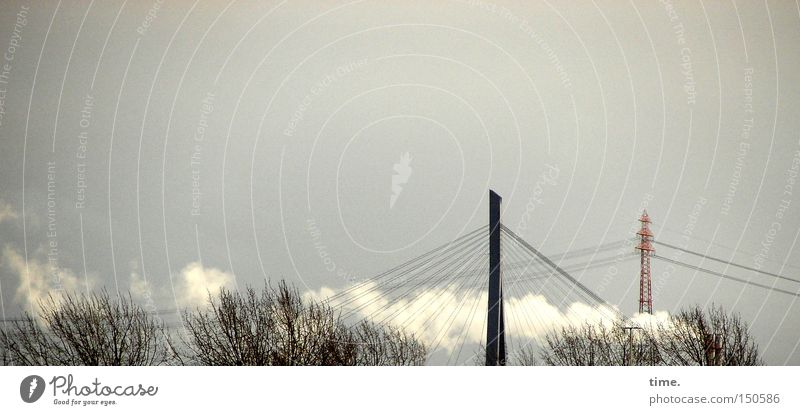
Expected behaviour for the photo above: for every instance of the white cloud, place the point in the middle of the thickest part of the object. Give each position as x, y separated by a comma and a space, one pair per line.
436, 318
140, 288
197, 282
645, 320
38, 280
7, 212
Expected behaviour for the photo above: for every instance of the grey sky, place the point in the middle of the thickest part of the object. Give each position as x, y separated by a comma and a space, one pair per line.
296, 115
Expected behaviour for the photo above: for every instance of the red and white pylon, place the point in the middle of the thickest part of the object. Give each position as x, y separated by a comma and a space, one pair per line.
646, 249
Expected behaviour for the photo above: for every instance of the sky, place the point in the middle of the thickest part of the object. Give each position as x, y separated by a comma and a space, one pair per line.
169, 148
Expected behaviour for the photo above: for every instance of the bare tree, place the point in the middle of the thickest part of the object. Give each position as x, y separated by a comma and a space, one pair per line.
278, 327
694, 337
525, 356
86, 330
599, 345
690, 337
522, 356
386, 346
5, 356
272, 327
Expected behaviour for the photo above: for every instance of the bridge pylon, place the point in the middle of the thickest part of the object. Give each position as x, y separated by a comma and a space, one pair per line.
495, 321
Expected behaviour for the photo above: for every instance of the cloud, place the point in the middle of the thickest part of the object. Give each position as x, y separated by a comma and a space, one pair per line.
38, 280
141, 289
648, 321
7, 212
138, 286
444, 317
197, 282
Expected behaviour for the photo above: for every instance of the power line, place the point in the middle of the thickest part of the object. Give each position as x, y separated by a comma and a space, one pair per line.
738, 251
721, 275
726, 262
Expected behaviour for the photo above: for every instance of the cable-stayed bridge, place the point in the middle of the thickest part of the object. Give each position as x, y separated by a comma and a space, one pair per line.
491, 287
451, 298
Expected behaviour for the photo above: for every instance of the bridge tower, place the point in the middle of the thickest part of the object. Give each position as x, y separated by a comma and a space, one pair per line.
495, 321
646, 250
